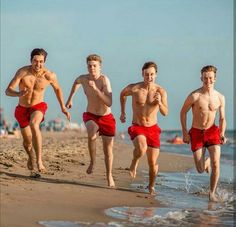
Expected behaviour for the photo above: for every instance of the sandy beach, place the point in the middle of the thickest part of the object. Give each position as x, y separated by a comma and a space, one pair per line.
66, 192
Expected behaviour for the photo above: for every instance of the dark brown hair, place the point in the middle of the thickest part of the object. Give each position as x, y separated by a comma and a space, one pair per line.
38, 51
149, 64
209, 68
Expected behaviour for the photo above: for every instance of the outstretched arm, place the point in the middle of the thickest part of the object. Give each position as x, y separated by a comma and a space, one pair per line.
74, 88
59, 94
222, 121
183, 118
123, 97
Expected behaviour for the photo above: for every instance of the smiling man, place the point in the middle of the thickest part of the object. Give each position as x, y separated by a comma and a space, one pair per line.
148, 98
204, 134
32, 81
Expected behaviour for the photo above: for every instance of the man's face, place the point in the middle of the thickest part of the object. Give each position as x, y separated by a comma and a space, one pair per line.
37, 63
208, 79
94, 68
149, 75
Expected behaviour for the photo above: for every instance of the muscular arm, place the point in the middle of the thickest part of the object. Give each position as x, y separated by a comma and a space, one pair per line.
106, 94
74, 88
123, 97
163, 103
10, 91
183, 117
57, 89
222, 121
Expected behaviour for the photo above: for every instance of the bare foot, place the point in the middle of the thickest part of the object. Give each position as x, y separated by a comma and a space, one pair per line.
151, 190
133, 168
213, 198
110, 181
41, 167
90, 169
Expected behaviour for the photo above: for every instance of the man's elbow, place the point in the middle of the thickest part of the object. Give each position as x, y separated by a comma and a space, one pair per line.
165, 113
7, 92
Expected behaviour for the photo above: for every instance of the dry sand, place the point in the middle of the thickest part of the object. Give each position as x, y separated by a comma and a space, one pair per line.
66, 192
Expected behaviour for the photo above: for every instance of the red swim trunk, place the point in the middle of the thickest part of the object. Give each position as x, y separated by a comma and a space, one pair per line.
22, 114
151, 133
204, 137
106, 123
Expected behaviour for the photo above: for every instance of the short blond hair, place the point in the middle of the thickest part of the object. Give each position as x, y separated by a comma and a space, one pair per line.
94, 57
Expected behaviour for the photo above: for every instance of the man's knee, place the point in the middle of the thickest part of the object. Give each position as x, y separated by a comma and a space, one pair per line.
34, 125
200, 169
92, 136
27, 144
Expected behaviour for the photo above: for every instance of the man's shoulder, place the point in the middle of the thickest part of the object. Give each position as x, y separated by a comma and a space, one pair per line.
23, 70
159, 88
196, 92
49, 75
82, 78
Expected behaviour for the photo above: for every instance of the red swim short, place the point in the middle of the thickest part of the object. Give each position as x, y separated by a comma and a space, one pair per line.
22, 114
106, 123
151, 133
204, 137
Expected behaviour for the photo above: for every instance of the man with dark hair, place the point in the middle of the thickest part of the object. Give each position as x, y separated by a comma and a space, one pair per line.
147, 99
204, 134
32, 81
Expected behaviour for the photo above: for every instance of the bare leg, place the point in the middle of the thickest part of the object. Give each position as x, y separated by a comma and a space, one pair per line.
27, 143
214, 152
152, 155
208, 165
92, 129
35, 120
108, 153
140, 147
199, 158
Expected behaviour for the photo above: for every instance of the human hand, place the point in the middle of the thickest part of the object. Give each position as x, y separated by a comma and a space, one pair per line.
92, 84
223, 139
157, 97
23, 92
122, 117
186, 138
69, 104
66, 113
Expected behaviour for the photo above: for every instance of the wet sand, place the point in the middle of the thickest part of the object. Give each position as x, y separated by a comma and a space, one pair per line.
66, 192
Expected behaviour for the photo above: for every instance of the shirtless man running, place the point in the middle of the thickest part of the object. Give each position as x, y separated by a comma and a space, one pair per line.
98, 116
32, 81
204, 134
147, 99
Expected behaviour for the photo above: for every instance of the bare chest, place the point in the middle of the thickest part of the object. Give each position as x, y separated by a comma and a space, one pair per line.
208, 103
144, 97
89, 90
34, 83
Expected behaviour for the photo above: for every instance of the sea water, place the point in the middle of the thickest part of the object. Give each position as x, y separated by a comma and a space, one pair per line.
184, 195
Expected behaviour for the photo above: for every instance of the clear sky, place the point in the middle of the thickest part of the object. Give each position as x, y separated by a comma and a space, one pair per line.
181, 36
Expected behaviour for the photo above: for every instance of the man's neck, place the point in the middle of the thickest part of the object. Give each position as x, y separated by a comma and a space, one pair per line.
207, 90
94, 77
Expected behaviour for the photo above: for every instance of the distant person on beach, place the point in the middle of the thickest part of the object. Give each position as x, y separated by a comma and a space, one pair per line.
147, 99
98, 116
204, 134
32, 81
